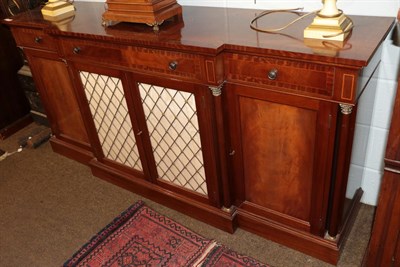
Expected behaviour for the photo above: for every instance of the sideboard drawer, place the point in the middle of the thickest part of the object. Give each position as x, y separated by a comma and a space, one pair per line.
148, 60
288, 75
184, 65
34, 38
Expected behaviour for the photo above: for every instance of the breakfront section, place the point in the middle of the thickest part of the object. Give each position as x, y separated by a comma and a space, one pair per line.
51, 76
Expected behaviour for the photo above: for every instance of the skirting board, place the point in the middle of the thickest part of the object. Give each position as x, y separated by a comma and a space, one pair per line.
70, 151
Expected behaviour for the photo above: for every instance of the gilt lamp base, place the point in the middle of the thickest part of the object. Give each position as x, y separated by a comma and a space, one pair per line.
334, 29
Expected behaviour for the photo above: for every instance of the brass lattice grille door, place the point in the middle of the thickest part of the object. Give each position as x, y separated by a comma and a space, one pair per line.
173, 125
111, 118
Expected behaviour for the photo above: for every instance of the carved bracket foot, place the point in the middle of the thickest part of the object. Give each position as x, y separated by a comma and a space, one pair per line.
155, 25
107, 23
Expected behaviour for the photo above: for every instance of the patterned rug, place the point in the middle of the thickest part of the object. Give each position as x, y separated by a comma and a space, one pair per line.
142, 237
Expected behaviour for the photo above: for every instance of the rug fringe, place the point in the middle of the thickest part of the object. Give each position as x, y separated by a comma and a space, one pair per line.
199, 262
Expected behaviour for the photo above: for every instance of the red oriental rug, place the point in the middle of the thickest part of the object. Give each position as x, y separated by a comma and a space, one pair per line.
142, 237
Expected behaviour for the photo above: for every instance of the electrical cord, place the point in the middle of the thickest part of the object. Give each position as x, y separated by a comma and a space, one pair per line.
7, 154
297, 12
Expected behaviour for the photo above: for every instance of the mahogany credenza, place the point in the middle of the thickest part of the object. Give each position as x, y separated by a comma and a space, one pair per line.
230, 126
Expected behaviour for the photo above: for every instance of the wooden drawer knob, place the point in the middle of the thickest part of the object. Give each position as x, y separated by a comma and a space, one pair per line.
38, 39
273, 74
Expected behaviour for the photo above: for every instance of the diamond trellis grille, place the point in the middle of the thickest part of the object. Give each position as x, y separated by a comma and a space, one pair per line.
174, 133
111, 118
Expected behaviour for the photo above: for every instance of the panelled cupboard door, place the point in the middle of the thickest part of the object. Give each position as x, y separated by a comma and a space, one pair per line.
178, 132
110, 118
156, 129
56, 89
281, 154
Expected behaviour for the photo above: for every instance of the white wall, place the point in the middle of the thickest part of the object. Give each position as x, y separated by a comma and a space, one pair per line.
355, 7
371, 136
372, 146
351, 7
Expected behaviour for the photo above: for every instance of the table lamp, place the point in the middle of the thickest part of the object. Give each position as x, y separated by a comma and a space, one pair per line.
56, 10
329, 24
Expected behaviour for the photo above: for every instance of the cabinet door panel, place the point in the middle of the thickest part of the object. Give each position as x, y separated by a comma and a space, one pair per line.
110, 117
178, 134
282, 148
171, 118
60, 101
109, 110
277, 145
